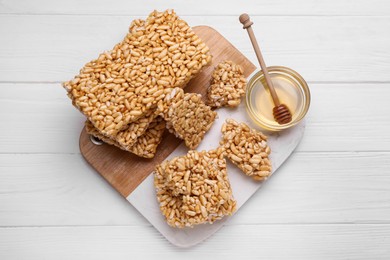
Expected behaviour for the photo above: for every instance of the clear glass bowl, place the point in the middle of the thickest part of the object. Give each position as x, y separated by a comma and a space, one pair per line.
292, 90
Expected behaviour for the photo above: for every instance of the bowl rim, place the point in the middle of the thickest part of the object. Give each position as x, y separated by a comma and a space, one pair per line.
292, 73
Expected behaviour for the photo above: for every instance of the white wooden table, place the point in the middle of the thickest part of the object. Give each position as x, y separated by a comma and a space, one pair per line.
331, 199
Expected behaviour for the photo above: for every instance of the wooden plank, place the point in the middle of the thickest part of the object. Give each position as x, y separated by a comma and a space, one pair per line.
358, 124
61, 189
324, 188
38, 118
198, 7
332, 241
351, 117
114, 164
323, 49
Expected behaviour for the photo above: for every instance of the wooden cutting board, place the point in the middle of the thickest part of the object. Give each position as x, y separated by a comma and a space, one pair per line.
125, 171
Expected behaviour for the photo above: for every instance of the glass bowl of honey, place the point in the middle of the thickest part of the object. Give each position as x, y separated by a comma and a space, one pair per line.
292, 90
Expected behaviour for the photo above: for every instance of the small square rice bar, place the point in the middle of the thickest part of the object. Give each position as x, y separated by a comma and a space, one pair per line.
144, 146
194, 189
247, 148
187, 116
123, 84
228, 85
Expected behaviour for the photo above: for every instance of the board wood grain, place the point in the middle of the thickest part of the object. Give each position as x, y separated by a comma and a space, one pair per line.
125, 171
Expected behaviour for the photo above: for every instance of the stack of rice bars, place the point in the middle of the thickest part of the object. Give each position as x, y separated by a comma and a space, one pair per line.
119, 91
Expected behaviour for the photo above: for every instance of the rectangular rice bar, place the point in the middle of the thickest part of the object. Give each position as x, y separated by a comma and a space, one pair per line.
123, 84
144, 146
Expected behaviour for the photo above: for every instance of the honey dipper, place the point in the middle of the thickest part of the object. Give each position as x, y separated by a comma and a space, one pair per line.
282, 114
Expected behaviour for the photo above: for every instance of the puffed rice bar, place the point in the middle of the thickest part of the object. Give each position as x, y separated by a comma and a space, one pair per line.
144, 146
128, 137
194, 189
247, 148
228, 85
187, 116
125, 83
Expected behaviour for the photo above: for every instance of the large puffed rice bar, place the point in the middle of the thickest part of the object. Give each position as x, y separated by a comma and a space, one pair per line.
194, 189
187, 116
247, 148
228, 85
125, 83
144, 146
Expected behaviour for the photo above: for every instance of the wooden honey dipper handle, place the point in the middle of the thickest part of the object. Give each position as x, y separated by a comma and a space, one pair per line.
247, 23
281, 113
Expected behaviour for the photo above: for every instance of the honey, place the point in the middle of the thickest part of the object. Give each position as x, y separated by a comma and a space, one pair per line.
291, 89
